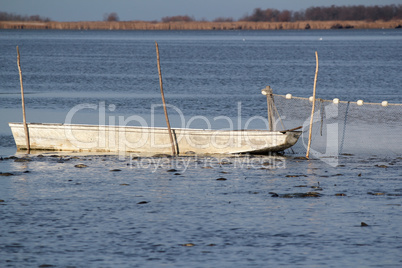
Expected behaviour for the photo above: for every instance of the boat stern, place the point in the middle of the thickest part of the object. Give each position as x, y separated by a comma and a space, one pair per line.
292, 137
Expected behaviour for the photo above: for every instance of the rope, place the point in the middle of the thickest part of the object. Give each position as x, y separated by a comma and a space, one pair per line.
344, 128
322, 114
280, 119
355, 102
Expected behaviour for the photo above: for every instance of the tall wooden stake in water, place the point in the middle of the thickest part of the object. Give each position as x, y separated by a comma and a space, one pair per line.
270, 103
312, 110
23, 103
163, 100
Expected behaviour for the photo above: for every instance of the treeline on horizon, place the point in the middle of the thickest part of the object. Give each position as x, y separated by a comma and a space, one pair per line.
365, 13
4, 16
342, 13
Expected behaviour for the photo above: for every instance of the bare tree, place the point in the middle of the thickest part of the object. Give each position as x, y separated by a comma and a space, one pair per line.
284, 16
111, 17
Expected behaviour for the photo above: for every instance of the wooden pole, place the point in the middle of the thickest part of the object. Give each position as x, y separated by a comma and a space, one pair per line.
23, 103
271, 117
163, 100
312, 110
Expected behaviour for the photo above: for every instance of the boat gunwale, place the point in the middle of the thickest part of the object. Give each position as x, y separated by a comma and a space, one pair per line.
193, 131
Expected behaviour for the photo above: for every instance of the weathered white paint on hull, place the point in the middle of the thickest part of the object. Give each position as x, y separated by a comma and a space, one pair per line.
99, 138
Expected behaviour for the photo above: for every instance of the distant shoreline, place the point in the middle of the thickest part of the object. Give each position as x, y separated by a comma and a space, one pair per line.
238, 25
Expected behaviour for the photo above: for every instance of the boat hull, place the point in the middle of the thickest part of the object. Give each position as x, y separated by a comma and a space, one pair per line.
115, 139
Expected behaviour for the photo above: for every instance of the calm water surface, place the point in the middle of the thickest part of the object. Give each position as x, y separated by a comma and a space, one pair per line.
174, 212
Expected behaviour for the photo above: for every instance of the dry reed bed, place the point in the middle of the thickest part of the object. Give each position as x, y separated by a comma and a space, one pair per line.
240, 25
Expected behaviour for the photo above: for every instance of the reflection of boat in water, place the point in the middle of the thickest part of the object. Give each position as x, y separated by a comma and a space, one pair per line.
99, 138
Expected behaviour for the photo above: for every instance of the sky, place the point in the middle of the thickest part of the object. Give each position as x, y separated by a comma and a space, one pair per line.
149, 10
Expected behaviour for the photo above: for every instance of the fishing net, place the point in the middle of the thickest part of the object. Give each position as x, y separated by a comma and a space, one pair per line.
341, 127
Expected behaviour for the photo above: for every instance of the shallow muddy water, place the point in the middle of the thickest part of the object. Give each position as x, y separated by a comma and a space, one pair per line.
101, 211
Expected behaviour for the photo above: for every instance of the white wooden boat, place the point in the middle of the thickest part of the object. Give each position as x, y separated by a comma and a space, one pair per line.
101, 138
